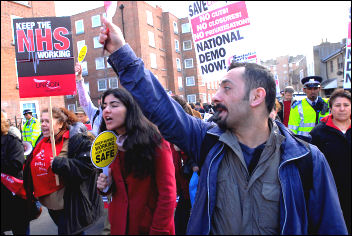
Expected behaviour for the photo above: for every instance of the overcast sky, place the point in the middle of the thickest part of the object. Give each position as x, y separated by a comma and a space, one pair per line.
280, 28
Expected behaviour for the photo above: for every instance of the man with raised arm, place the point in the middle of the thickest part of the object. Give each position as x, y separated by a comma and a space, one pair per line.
250, 177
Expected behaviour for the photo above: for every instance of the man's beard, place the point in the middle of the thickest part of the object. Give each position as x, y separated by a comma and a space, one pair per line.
217, 119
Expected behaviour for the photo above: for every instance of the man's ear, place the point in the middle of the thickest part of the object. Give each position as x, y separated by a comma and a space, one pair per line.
257, 96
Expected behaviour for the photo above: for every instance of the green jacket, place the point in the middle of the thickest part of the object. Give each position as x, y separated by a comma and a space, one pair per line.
303, 117
31, 131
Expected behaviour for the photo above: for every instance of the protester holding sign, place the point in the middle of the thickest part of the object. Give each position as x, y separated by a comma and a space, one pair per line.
74, 205
94, 113
333, 137
13, 207
142, 177
250, 167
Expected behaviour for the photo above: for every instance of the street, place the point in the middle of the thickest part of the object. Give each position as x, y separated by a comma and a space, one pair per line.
44, 225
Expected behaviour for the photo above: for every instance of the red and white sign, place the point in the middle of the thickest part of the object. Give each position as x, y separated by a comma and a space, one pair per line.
221, 34
44, 56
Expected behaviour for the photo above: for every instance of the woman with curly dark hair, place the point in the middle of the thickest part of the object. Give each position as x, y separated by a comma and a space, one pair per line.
74, 204
142, 177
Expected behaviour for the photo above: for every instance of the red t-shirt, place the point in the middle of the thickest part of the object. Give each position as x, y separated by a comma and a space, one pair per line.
287, 109
42, 175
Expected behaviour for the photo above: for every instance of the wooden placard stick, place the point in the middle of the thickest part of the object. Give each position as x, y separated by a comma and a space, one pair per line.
52, 139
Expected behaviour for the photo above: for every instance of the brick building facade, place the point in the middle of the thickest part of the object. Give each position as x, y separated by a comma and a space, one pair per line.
10, 100
163, 41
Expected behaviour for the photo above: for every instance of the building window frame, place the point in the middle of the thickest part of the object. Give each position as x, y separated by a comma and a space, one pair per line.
151, 39
331, 66
185, 63
178, 64
150, 18
35, 109
153, 62
99, 87
96, 22
96, 42
71, 107
84, 65
177, 45
180, 82
175, 27
99, 63
190, 81
186, 28
110, 83
187, 49
191, 98
79, 24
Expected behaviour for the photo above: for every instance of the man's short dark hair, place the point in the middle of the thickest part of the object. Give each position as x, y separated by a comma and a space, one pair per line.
256, 76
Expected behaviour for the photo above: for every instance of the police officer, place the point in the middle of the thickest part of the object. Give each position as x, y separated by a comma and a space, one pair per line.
307, 113
31, 129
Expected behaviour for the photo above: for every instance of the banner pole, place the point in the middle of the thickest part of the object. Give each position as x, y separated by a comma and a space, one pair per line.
52, 139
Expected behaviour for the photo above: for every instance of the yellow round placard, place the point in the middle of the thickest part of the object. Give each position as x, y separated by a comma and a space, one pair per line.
82, 53
104, 149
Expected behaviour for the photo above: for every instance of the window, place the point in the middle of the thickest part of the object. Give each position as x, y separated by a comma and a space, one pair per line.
149, 18
203, 82
284, 65
301, 75
96, 42
178, 64
187, 45
70, 96
96, 21
179, 79
212, 84
25, 3
208, 85
331, 66
113, 83
32, 105
80, 45
79, 27
191, 98
190, 81
99, 63
186, 28
13, 33
102, 85
285, 72
189, 63
151, 39
339, 62
175, 27
153, 61
71, 107
107, 63
203, 96
209, 97
177, 46
290, 65
84, 68
86, 87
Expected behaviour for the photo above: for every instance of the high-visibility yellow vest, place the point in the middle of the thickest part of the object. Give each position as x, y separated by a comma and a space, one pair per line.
31, 131
303, 117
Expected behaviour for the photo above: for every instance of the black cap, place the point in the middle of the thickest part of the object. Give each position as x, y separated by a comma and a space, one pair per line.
27, 111
311, 81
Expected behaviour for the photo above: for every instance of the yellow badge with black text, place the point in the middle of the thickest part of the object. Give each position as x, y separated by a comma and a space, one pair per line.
104, 149
82, 53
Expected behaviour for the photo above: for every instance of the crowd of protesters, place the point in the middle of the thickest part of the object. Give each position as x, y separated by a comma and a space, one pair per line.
255, 173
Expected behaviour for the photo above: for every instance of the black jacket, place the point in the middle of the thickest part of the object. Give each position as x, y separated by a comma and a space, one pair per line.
336, 148
82, 204
12, 159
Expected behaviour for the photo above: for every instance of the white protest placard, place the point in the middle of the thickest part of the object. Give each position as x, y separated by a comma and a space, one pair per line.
347, 75
221, 34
